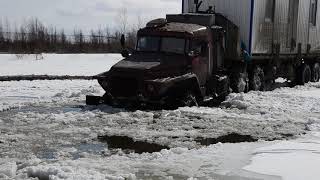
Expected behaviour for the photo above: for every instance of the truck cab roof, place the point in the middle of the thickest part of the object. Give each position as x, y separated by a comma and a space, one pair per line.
174, 29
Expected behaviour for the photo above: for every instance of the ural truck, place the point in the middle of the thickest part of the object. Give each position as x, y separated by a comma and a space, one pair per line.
203, 54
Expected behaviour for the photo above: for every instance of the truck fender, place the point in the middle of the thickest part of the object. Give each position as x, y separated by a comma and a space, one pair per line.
185, 84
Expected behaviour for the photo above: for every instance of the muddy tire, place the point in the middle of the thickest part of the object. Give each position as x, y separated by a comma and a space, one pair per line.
315, 73
239, 82
189, 100
304, 74
257, 81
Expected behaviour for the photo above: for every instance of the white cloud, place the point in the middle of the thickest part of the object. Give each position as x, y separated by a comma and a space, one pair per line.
85, 14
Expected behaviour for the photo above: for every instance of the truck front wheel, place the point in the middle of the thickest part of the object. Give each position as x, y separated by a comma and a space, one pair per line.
315, 72
189, 100
257, 79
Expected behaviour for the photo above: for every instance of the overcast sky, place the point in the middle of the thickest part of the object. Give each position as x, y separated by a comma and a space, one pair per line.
84, 14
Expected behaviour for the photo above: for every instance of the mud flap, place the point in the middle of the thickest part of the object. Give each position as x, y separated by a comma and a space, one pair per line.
93, 100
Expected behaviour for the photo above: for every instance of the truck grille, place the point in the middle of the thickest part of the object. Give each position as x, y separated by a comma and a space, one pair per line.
123, 86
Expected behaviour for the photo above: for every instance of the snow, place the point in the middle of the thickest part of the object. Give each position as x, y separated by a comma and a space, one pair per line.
57, 64
291, 160
264, 115
8, 169
168, 164
47, 132
16, 94
280, 114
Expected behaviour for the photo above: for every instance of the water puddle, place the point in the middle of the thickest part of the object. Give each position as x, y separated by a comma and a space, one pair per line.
127, 143
230, 138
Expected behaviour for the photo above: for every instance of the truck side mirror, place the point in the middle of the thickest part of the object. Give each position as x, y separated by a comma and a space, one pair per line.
123, 41
125, 53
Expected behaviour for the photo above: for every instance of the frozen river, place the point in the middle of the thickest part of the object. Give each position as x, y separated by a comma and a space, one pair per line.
46, 131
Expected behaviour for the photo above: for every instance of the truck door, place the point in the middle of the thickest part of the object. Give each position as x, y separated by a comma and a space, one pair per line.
200, 61
292, 24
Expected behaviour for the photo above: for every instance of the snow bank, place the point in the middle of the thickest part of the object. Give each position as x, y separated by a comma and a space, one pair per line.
57, 64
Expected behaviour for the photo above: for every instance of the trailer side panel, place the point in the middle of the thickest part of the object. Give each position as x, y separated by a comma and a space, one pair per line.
275, 22
238, 11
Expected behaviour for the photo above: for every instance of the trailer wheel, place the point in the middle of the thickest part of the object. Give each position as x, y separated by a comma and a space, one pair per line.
257, 79
304, 74
239, 82
315, 73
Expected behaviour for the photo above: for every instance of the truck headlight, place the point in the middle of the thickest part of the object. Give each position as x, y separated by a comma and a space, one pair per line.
150, 88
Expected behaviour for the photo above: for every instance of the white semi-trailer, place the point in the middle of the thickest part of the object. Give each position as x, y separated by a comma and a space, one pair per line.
292, 24
282, 37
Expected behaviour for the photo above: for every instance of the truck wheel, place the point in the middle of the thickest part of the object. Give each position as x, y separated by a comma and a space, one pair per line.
189, 100
257, 79
315, 73
239, 82
304, 74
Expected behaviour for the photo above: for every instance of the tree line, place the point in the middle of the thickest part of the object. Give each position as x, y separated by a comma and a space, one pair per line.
34, 37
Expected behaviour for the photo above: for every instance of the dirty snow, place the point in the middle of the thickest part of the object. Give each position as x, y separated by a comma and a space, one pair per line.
57, 64
58, 139
46, 132
279, 114
16, 94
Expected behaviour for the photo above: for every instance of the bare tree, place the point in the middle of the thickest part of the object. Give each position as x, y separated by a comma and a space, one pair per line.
7, 29
23, 39
140, 21
79, 40
33, 37
108, 38
122, 19
63, 40
1, 33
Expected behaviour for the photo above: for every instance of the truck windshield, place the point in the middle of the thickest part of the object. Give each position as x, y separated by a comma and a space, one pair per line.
148, 43
173, 45
163, 44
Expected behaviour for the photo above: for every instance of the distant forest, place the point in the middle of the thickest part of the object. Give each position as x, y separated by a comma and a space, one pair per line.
35, 38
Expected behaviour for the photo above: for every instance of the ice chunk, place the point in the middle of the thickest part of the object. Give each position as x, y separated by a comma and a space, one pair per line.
8, 169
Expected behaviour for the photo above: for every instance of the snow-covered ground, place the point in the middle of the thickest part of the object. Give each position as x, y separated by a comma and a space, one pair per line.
57, 64
46, 132
17, 94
